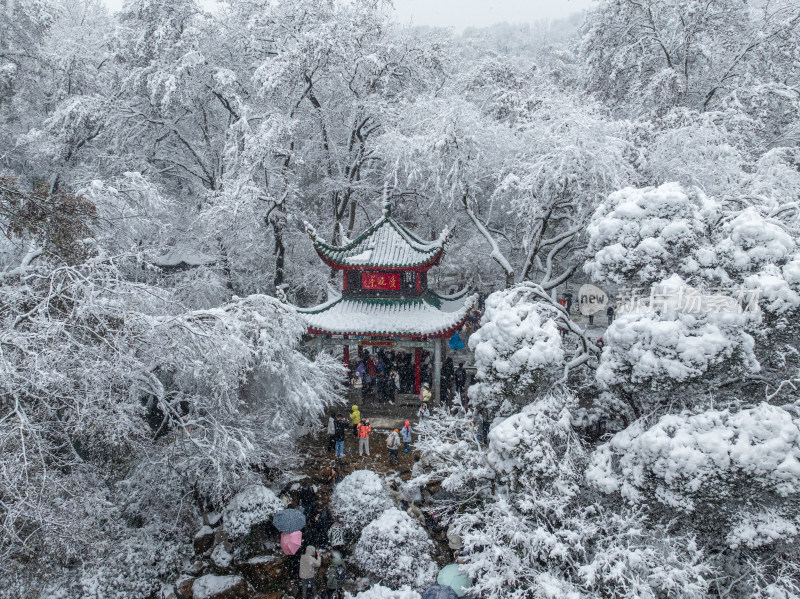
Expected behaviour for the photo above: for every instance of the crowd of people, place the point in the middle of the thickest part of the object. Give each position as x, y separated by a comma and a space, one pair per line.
386, 375
339, 426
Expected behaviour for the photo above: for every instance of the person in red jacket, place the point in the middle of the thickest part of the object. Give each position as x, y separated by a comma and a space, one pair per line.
364, 430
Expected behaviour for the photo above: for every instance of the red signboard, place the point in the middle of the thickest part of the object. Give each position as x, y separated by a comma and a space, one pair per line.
378, 342
380, 280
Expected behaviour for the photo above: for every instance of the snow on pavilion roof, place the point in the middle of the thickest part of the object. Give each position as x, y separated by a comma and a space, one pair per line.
431, 315
386, 244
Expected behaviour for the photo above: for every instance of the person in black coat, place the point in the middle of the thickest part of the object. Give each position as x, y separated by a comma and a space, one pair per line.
319, 521
460, 378
447, 373
307, 498
340, 426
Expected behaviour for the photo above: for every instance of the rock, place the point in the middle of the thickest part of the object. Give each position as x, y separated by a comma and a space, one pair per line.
265, 570
214, 519
272, 595
221, 558
183, 587
221, 537
196, 567
204, 539
167, 592
220, 587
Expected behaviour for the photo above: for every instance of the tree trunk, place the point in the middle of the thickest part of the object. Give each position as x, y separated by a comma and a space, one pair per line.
278, 221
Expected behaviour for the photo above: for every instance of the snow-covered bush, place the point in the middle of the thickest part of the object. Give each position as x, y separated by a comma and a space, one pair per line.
394, 549
641, 236
536, 445
255, 505
685, 461
654, 354
543, 513
730, 478
359, 498
377, 591
453, 454
517, 349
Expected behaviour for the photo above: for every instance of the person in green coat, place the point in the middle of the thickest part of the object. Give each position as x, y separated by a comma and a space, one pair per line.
336, 577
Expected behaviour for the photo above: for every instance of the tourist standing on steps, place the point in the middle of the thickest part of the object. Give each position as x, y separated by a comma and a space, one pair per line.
363, 436
319, 521
355, 418
331, 433
340, 426
447, 373
308, 570
307, 498
424, 413
394, 377
337, 575
425, 393
460, 377
406, 432
393, 445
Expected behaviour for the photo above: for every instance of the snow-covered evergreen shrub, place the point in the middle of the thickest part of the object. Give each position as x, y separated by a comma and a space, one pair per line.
655, 354
255, 505
517, 349
693, 463
648, 234
537, 443
730, 478
394, 549
359, 498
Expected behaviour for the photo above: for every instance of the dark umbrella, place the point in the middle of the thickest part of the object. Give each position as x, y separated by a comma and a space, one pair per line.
289, 520
440, 591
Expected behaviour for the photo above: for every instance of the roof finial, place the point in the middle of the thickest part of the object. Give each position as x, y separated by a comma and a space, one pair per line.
387, 205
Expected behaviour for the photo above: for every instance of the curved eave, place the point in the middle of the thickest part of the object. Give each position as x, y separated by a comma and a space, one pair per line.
448, 331
425, 265
441, 334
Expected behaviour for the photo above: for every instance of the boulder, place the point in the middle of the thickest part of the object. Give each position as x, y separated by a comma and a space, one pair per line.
264, 571
221, 557
183, 587
204, 539
221, 537
167, 592
220, 587
196, 567
214, 519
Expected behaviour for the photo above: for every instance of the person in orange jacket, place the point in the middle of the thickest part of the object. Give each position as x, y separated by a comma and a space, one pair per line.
364, 430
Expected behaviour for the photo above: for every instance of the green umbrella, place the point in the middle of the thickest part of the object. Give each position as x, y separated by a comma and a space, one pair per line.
450, 576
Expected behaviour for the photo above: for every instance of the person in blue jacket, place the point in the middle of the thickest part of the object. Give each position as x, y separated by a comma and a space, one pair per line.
406, 432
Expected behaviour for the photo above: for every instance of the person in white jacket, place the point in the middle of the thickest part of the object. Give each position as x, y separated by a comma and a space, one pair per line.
308, 570
393, 443
331, 433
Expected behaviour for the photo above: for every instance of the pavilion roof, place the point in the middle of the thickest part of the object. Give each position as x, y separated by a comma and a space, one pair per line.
386, 244
430, 315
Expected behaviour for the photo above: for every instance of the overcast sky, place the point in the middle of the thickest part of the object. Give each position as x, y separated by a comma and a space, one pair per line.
468, 13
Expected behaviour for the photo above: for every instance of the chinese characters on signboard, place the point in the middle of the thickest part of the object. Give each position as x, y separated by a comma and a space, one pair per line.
380, 280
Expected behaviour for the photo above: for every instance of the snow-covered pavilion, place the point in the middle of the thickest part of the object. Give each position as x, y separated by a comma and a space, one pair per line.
385, 301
